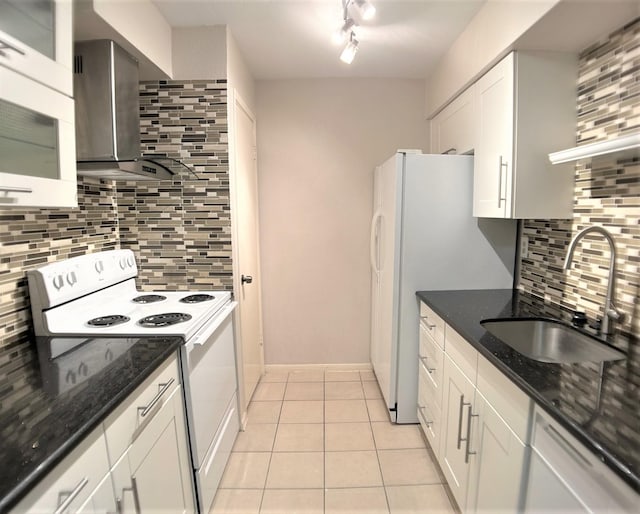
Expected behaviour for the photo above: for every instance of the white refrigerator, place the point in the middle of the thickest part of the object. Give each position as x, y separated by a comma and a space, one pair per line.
424, 237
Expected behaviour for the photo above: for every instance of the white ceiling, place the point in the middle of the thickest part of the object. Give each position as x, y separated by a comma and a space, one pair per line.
285, 39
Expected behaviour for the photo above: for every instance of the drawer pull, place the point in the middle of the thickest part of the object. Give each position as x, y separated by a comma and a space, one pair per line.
467, 452
500, 197
422, 409
430, 326
424, 362
72, 496
8, 46
163, 389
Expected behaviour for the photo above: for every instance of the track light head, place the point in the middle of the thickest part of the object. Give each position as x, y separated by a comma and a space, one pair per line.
342, 34
367, 10
350, 50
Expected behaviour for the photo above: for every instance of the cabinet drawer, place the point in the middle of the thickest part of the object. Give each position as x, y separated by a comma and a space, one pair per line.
123, 425
431, 361
429, 414
462, 353
432, 323
513, 405
72, 481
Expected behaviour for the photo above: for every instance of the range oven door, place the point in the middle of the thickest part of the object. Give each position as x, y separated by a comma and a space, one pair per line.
210, 383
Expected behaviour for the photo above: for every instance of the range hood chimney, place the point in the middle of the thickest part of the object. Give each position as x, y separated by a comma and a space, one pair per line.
105, 84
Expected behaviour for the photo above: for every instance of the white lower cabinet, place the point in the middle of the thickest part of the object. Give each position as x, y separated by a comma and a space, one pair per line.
497, 463
72, 482
479, 433
137, 461
153, 474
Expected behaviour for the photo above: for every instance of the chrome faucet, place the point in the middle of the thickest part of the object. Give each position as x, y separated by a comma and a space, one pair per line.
610, 311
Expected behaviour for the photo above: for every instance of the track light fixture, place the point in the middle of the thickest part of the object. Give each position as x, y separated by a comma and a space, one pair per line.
350, 50
367, 10
362, 10
342, 34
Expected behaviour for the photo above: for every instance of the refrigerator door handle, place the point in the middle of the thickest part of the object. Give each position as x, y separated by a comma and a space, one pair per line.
372, 242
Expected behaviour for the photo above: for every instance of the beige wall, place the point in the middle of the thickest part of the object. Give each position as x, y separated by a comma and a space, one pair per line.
318, 142
200, 53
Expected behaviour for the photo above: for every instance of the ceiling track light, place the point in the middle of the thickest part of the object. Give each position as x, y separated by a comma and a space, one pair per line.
365, 11
350, 50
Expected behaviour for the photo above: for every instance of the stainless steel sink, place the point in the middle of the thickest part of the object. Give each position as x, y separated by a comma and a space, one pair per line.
550, 341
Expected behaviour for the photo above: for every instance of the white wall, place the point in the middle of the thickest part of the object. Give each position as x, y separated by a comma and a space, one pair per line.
318, 143
488, 37
239, 76
200, 53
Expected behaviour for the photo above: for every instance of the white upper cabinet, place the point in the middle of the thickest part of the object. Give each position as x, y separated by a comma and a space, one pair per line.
36, 41
453, 129
524, 109
37, 123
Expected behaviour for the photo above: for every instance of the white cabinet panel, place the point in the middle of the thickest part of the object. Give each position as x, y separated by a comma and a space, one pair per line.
72, 481
453, 129
497, 462
525, 108
36, 41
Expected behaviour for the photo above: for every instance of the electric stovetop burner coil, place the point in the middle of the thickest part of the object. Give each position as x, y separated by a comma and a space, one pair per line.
197, 298
164, 320
108, 321
149, 298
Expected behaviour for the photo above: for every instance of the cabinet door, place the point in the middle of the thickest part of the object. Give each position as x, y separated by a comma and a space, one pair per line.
457, 405
453, 129
37, 144
154, 474
493, 157
36, 41
497, 461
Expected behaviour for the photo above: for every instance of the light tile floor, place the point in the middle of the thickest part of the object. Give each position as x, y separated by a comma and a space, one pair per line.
321, 442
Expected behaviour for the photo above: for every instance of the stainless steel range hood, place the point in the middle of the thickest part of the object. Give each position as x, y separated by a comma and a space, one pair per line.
108, 116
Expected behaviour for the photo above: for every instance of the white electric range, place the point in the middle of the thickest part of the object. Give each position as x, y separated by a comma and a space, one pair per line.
96, 295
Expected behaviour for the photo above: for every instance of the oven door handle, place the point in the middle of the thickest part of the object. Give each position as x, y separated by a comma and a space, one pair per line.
203, 335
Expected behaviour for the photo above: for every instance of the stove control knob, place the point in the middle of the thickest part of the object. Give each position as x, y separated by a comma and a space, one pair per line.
130, 262
122, 263
99, 266
58, 282
71, 278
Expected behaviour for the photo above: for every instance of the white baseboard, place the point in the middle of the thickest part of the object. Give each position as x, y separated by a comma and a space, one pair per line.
280, 368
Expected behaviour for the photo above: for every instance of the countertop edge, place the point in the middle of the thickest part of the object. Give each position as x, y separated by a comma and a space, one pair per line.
621, 470
15, 495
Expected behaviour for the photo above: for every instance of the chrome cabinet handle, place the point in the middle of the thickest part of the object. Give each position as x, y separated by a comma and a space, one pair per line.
462, 404
500, 198
16, 189
451, 150
467, 452
72, 496
4, 45
163, 389
430, 326
422, 409
424, 362
136, 496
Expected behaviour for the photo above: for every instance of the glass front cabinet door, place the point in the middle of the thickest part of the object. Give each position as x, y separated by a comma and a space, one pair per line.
37, 126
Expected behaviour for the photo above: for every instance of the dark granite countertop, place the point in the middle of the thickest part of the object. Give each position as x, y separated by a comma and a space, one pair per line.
48, 405
569, 392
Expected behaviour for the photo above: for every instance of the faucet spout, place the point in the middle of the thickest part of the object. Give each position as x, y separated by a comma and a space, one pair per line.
610, 311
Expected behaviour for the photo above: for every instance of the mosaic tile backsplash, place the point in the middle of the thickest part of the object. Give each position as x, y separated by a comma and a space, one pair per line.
607, 192
179, 230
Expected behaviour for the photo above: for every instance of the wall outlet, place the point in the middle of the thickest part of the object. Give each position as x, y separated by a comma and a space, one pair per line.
524, 247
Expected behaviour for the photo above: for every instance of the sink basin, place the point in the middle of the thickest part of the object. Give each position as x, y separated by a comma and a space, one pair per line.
550, 341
